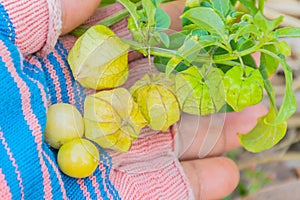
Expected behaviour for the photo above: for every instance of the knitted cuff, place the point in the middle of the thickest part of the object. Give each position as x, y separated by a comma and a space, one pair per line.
150, 170
32, 25
54, 26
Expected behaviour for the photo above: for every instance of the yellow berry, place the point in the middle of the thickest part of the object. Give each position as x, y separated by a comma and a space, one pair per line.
78, 158
64, 123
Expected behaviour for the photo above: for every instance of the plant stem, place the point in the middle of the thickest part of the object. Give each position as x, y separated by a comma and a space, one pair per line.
110, 20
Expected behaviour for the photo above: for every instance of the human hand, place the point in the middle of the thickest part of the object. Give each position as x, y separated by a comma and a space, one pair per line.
211, 176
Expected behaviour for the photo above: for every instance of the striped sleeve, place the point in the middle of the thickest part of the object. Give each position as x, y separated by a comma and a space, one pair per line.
28, 168
32, 25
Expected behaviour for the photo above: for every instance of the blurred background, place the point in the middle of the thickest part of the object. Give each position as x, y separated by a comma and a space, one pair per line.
275, 174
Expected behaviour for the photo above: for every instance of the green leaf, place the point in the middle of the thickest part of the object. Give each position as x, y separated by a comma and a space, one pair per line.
106, 2
161, 63
176, 40
270, 63
222, 6
248, 60
200, 91
165, 39
150, 10
172, 64
268, 85
250, 5
192, 3
206, 19
289, 104
162, 19
275, 23
265, 134
188, 52
244, 44
243, 87
242, 31
261, 22
132, 9
284, 48
290, 32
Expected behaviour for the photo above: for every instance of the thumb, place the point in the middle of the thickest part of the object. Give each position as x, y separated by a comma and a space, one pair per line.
75, 12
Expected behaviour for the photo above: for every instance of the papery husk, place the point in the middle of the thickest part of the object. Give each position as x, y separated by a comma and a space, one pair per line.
157, 101
99, 59
112, 119
200, 91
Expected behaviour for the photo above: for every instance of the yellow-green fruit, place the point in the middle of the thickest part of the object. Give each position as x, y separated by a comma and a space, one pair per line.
64, 123
157, 101
200, 91
112, 119
243, 87
78, 158
99, 59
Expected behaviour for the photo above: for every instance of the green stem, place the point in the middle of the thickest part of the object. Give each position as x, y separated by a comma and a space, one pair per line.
112, 19
261, 5
236, 55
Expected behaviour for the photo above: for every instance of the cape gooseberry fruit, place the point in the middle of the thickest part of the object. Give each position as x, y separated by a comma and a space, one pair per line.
200, 91
78, 158
64, 123
157, 101
112, 119
243, 87
99, 59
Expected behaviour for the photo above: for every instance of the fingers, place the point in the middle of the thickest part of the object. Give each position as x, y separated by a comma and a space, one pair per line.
76, 12
211, 178
197, 137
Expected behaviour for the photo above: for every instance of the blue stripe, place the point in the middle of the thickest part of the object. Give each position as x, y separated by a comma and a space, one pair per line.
35, 72
15, 128
61, 79
50, 84
9, 171
6, 26
72, 188
90, 188
56, 188
75, 86
108, 165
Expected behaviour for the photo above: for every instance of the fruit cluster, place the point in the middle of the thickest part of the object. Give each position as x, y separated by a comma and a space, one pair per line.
204, 69
77, 157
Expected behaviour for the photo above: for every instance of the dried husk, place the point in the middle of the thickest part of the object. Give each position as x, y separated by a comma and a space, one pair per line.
112, 119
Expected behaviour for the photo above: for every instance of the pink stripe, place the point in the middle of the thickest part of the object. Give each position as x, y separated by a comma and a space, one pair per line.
68, 42
96, 186
30, 19
36, 63
14, 164
84, 189
58, 175
54, 77
4, 189
33, 60
102, 170
31, 119
67, 77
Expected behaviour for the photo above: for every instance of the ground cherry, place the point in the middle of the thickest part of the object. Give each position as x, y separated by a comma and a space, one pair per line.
64, 123
78, 158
